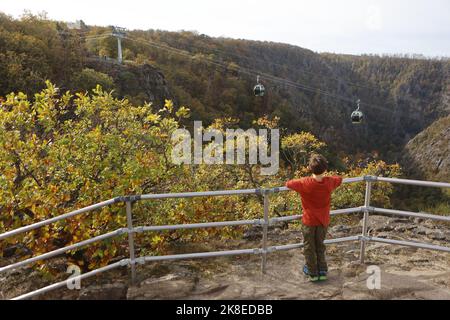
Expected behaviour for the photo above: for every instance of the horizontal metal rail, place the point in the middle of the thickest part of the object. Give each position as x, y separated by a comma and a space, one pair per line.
198, 225
56, 219
412, 214
200, 194
420, 245
140, 229
413, 182
64, 283
65, 249
211, 254
298, 217
300, 245
353, 180
226, 192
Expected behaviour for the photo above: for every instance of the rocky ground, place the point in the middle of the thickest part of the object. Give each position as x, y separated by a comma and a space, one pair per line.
406, 273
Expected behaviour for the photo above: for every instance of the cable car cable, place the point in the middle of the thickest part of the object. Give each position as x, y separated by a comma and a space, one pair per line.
252, 72
382, 91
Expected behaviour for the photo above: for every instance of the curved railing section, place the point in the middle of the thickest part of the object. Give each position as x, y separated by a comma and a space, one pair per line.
264, 222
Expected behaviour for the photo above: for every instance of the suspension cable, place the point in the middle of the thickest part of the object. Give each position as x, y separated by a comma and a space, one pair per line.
315, 74
252, 72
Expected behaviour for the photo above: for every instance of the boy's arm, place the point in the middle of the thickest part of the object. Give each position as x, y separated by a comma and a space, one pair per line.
337, 181
295, 185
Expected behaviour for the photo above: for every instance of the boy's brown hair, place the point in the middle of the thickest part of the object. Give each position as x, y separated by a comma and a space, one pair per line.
318, 164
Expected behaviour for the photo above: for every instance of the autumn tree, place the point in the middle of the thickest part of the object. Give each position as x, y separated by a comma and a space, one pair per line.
61, 152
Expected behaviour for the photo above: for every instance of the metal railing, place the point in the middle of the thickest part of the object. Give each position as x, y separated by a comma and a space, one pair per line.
265, 222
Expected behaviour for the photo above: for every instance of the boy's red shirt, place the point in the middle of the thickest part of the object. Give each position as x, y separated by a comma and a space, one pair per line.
316, 198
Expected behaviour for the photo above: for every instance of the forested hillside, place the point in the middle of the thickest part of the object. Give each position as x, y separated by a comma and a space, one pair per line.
215, 76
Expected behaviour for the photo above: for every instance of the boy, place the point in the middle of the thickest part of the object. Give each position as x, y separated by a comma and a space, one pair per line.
315, 192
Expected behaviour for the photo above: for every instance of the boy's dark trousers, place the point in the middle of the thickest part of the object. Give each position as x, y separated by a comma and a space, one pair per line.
314, 248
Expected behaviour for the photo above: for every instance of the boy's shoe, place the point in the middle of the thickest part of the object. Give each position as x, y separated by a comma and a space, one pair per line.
322, 275
311, 277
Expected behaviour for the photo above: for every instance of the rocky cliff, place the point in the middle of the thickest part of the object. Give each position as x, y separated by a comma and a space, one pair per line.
428, 153
139, 83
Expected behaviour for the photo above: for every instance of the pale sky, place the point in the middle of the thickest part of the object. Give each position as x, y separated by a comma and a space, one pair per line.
345, 26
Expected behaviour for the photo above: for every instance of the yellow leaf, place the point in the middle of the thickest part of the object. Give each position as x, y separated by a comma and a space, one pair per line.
168, 105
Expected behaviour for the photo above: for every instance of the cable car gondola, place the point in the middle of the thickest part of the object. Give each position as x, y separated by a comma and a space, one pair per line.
357, 115
259, 89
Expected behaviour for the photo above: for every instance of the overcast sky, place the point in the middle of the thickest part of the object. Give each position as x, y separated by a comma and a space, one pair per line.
345, 26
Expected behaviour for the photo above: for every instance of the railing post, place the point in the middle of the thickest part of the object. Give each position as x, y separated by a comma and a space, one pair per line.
131, 242
265, 229
365, 220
